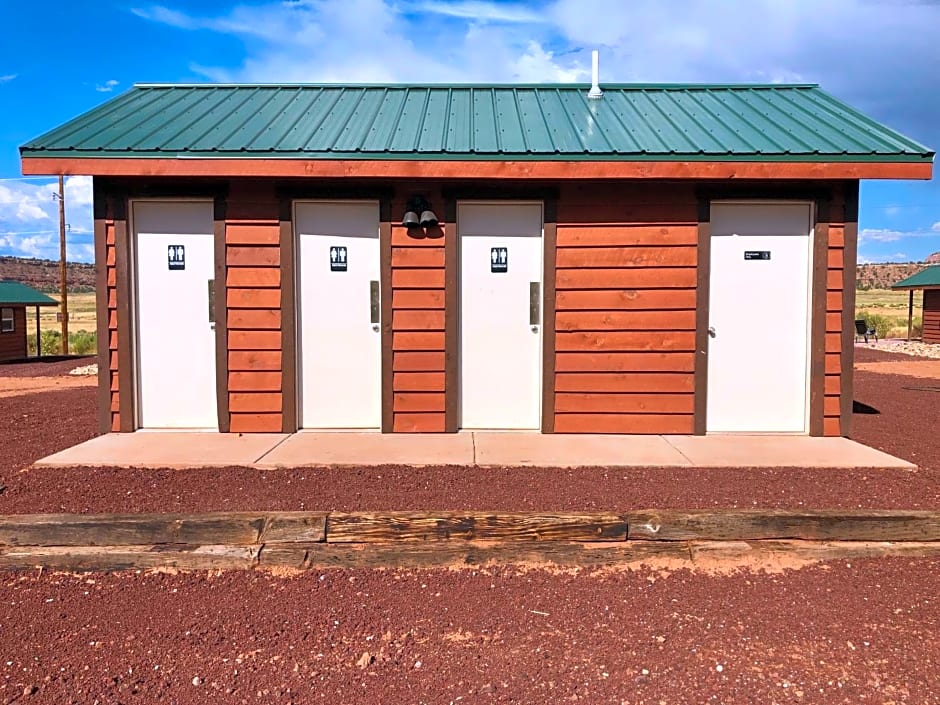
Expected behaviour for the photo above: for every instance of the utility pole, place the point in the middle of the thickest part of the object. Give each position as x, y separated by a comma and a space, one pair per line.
63, 281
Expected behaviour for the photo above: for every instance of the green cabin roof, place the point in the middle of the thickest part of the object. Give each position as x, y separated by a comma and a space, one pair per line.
16, 294
546, 122
925, 279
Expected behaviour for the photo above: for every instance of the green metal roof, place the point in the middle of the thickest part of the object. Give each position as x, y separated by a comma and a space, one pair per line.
16, 294
925, 278
494, 122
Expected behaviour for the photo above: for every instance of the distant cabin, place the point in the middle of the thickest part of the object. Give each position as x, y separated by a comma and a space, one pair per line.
14, 300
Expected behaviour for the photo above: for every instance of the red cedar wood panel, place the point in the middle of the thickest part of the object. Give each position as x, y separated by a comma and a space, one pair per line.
418, 302
253, 297
110, 259
625, 309
834, 314
13, 343
931, 332
416, 169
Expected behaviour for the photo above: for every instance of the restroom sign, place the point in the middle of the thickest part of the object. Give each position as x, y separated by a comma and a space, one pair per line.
176, 257
338, 259
499, 259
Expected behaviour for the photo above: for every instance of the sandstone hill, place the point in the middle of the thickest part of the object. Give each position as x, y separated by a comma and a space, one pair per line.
43, 274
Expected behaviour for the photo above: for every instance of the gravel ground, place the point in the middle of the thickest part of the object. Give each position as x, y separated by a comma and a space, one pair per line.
46, 367
839, 632
866, 631
904, 409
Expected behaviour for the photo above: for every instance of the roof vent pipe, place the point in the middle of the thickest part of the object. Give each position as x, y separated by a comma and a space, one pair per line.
595, 91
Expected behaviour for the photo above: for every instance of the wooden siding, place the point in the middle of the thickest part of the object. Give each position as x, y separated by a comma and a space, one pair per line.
116, 327
418, 320
625, 309
835, 318
13, 343
253, 296
932, 316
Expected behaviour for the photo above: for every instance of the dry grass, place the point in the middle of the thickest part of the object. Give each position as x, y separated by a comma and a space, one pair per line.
892, 305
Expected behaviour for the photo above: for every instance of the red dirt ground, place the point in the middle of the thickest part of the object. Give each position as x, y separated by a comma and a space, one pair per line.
839, 632
53, 422
866, 631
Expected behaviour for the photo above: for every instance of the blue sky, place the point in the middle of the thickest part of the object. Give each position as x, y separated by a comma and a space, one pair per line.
59, 58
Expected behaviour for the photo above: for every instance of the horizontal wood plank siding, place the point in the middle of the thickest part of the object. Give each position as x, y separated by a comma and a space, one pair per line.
625, 309
13, 343
836, 319
932, 316
418, 319
253, 298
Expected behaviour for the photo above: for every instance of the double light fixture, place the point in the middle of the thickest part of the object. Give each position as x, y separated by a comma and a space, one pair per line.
416, 205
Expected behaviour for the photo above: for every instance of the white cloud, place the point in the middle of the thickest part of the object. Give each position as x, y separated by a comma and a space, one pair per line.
29, 218
936, 227
107, 86
888, 235
483, 11
7, 78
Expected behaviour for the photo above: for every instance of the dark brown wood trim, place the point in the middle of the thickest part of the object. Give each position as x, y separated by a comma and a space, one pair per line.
817, 341
221, 316
451, 318
797, 191
550, 236
301, 190
289, 379
849, 257
101, 305
700, 419
385, 274
127, 324
506, 191
170, 188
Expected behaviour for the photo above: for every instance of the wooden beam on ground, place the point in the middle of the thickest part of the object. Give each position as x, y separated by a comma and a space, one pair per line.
111, 558
764, 524
230, 528
360, 527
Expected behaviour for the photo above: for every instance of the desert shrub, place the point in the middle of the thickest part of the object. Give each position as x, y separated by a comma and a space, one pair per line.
882, 324
81, 342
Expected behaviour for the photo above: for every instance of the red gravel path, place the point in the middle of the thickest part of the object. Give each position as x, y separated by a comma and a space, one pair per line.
56, 420
868, 631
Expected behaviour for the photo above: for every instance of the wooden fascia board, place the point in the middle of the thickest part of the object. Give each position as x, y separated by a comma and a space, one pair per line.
418, 169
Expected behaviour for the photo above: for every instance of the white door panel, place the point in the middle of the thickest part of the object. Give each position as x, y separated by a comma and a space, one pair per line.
340, 344
500, 344
176, 340
759, 311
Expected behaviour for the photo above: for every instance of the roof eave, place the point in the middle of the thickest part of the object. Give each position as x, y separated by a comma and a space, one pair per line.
506, 167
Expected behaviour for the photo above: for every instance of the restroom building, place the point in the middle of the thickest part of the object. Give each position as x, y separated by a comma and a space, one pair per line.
661, 259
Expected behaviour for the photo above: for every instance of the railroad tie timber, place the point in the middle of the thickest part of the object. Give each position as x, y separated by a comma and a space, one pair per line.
425, 539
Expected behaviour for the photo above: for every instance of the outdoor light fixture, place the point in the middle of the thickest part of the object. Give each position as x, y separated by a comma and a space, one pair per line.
419, 204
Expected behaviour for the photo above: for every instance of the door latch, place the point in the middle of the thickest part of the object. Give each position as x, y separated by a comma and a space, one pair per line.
374, 308
711, 331
212, 301
535, 303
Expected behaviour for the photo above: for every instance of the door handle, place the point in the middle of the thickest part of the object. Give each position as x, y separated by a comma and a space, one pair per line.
374, 296
711, 331
211, 300
535, 303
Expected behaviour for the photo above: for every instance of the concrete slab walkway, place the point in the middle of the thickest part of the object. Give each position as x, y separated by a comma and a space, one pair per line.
197, 449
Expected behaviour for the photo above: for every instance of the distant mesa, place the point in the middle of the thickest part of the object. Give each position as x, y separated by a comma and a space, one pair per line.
933, 259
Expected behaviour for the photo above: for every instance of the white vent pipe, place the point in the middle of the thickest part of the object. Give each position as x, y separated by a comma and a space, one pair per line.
595, 91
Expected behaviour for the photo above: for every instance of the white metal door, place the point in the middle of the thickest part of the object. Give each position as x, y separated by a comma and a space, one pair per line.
175, 267
500, 315
340, 331
759, 323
